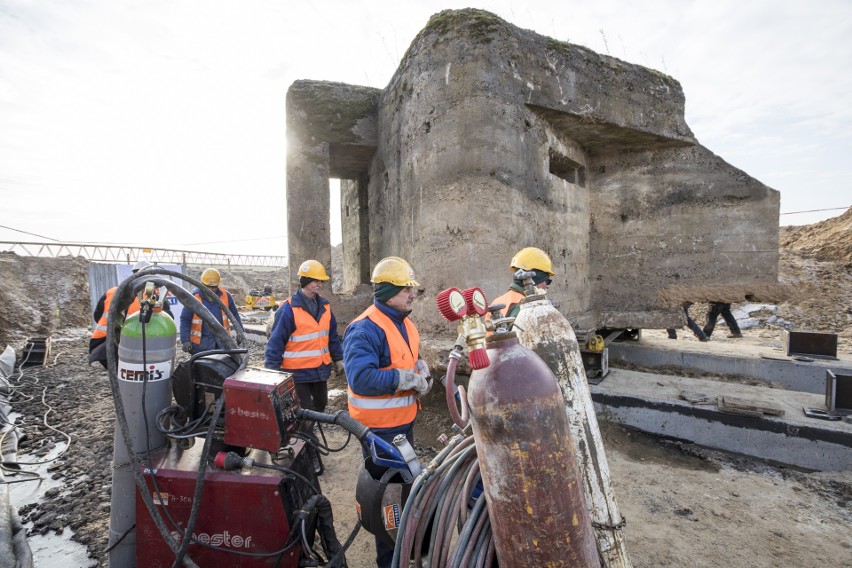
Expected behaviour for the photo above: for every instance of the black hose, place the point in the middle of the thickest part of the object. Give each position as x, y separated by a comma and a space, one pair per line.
199, 485
340, 418
325, 525
191, 303
334, 562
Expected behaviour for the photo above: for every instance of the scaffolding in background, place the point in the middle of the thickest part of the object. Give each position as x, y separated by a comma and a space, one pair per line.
132, 254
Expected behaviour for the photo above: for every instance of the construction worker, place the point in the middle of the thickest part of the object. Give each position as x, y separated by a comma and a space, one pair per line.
690, 323
99, 332
529, 259
716, 309
304, 339
385, 373
195, 335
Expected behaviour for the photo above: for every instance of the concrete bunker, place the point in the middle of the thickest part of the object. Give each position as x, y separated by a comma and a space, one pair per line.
490, 138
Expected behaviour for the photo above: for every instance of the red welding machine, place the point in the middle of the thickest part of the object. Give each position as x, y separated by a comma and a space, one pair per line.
245, 516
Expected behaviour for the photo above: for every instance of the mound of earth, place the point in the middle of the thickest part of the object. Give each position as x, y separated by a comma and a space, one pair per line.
41, 295
829, 240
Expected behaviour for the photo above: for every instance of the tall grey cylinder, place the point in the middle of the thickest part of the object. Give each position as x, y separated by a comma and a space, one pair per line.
144, 377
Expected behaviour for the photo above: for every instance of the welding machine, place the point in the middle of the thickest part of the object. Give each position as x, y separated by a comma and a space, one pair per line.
245, 516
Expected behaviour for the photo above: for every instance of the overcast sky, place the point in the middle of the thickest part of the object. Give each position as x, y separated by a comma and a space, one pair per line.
163, 123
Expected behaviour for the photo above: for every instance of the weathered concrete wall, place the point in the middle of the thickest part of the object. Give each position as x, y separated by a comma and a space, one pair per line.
331, 132
490, 138
674, 224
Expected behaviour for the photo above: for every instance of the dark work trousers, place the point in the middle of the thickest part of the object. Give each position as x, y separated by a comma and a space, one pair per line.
714, 311
313, 396
696, 329
690, 323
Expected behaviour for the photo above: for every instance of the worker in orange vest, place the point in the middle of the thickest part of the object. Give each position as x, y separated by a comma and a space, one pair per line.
529, 259
195, 335
99, 331
385, 373
304, 339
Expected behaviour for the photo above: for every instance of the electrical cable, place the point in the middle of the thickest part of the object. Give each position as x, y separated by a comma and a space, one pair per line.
121, 537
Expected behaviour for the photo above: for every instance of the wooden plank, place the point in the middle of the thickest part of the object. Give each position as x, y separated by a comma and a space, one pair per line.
747, 407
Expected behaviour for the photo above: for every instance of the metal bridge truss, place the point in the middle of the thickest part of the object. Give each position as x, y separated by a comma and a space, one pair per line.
132, 254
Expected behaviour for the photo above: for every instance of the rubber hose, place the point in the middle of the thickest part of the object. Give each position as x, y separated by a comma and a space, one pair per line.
464, 536
460, 502
190, 301
203, 289
450, 391
340, 418
199, 485
437, 464
409, 531
325, 519
477, 535
450, 491
472, 478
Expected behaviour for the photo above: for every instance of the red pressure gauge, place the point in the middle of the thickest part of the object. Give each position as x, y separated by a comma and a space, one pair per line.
451, 304
475, 300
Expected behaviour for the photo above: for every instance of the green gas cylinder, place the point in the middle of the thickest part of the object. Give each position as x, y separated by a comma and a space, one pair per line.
146, 354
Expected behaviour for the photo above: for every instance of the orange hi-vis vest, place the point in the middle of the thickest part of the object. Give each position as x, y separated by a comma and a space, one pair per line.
510, 298
100, 330
307, 347
198, 323
399, 408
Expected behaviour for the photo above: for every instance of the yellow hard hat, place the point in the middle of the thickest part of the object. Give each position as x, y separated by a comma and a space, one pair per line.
394, 270
532, 258
313, 269
211, 277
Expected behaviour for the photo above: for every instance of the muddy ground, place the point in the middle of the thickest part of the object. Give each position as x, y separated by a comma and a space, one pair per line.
684, 505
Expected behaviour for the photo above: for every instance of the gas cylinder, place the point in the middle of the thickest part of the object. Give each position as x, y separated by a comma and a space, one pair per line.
531, 482
542, 328
146, 354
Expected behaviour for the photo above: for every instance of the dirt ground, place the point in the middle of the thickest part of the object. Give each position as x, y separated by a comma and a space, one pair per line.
684, 505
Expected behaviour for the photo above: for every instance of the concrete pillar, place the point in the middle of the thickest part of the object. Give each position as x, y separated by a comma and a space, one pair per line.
308, 232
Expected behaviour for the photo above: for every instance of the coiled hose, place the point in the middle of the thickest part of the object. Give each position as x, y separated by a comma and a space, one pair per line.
439, 506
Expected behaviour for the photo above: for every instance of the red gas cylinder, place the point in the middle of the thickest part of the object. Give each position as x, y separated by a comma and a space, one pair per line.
530, 477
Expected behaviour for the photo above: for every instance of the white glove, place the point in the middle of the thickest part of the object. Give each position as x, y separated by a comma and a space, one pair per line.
338, 368
429, 381
412, 381
423, 369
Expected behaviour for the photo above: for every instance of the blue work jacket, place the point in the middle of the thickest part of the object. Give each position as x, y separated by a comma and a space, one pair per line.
365, 352
283, 328
208, 341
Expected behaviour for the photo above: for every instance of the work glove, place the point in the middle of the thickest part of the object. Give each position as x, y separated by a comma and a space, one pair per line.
423, 369
412, 381
186, 346
338, 368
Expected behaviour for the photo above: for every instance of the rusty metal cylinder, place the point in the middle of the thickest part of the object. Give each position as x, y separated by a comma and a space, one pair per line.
542, 328
531, 480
